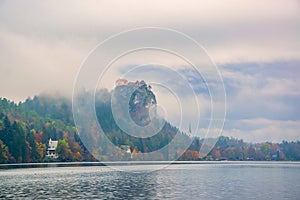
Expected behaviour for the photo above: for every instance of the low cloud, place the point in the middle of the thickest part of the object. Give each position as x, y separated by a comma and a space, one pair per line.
255, 44
263, 130
267, 90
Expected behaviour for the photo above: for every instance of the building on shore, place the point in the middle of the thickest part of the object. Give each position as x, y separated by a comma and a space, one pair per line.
51, 151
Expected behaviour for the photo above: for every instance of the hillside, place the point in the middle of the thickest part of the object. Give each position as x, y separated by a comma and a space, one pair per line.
25, 129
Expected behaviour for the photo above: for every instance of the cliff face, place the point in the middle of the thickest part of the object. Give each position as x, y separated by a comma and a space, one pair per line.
141, 101
137, 98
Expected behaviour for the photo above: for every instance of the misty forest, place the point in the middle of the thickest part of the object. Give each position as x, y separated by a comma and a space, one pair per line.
26, 127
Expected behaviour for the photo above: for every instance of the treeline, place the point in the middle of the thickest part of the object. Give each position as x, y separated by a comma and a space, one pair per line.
25, 129
228, 148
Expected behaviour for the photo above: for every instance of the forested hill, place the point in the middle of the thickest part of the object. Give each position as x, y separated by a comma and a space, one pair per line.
25, 129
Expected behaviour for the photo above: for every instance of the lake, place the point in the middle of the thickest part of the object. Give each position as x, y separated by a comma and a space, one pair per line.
197, 180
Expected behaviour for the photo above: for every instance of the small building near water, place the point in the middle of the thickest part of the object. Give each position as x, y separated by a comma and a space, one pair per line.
51, 151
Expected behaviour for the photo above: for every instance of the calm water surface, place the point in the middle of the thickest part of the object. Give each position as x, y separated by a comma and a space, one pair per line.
232, 180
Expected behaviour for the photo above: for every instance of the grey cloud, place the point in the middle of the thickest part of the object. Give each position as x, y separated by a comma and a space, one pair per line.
255, 43
266, 90
263, 130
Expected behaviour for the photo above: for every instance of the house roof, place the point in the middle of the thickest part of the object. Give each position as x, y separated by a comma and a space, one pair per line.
53, 143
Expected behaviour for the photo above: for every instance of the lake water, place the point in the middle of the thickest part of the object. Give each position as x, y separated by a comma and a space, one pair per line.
215, 180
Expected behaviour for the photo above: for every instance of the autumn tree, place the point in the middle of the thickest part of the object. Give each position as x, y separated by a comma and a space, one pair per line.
4, 153
64, 151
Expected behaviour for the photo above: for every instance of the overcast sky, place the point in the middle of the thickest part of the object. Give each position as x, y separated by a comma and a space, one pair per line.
254, 43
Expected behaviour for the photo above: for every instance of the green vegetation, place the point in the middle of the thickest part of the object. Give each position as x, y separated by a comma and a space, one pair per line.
25, 129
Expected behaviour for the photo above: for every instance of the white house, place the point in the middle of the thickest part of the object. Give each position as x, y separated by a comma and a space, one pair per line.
51, 151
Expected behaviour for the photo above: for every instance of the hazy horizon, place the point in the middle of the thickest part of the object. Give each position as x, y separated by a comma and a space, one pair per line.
254, 44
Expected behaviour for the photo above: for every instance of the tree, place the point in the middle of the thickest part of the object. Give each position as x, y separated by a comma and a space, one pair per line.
266, 150
33, 154
63, 150
251, 153
216, 154
17, 143
4, 154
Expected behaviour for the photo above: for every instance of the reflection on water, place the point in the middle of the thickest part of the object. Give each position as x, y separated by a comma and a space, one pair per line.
210, 181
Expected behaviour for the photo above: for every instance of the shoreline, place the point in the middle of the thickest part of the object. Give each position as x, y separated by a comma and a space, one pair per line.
135, 163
